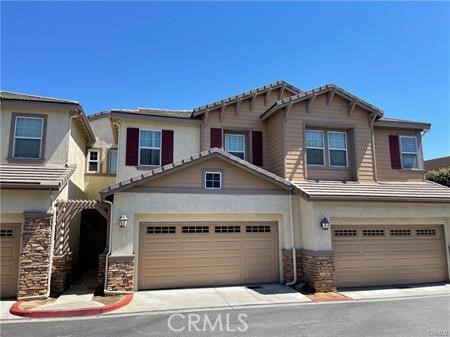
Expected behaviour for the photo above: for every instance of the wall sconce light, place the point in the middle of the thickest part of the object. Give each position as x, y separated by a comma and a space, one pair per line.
325, 224
123, 221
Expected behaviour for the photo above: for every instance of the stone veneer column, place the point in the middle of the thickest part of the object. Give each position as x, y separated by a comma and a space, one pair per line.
35, 255
319, 270
120, 274
288, 266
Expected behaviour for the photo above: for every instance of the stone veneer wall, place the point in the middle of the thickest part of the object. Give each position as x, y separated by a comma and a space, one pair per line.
101, 274
120, 274
61, 273
315, 268
35, 255
288, 266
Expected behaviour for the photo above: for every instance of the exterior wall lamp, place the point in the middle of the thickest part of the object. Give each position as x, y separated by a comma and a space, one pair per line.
123, 221
325, 224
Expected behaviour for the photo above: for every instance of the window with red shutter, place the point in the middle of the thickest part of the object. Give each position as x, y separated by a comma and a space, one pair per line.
216, 138
394, 149
132, 147
257, 148
167, 147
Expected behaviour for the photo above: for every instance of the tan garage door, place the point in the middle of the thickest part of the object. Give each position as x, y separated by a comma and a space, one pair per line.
9, 258
206, 254
388, 255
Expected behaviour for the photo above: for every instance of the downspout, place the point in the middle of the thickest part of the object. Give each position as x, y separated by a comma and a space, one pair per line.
294, 253
371, 123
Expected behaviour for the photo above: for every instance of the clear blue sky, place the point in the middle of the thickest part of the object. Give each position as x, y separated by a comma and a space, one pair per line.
181, 55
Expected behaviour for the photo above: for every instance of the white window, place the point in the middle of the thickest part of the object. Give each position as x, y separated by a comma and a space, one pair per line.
235, 144
337, 148
213, 180
408, 149
149, 148
93, 161
112, 161
28, 137
315, 146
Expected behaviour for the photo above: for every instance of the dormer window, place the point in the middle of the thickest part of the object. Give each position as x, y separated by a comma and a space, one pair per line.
235, 144
337, 148
326, 148
315, 147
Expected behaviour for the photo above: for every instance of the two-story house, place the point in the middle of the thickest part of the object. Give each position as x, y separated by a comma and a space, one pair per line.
273, 185
44, 144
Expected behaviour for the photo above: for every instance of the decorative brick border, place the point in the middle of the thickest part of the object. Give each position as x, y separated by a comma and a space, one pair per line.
35, 256
120, 274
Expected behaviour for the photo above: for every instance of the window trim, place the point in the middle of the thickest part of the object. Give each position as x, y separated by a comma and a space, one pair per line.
150, 148
117, 159
402, 152
316, 148
98, 161
330, 149
212, 172
11, 149
234, 134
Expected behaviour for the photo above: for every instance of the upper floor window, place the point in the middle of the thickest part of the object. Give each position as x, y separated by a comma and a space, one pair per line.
337, 148
112, 161
315, 147
235, 144
408, 149
213, 180
28, 137
150, 147
93, 161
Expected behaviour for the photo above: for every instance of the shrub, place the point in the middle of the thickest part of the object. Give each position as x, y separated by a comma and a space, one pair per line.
440, 176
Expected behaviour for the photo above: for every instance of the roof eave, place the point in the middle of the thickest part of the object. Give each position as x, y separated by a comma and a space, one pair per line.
403, 125
376, 198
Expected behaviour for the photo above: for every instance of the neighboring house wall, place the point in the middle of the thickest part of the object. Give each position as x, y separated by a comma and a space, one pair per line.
77, 156
383, 158
56, 135
437, 163
274, 128
333, 116
186, 142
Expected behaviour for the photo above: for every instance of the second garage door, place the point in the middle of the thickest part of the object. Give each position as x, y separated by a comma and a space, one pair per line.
388, 255
207, 254
9, 258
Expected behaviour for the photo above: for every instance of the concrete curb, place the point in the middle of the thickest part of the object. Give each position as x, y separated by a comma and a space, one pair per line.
15, 310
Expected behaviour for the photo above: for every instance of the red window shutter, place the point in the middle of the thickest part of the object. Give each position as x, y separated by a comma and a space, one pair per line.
257, 147
132, 147
216, 138
167, 147
394, 148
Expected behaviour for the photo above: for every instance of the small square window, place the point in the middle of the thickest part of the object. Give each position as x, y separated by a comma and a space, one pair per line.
93, 161
213, 180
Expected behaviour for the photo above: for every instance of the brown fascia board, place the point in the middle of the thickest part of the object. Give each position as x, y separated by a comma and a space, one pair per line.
318, 91
381, 198
141, 116
402, 124
232, 99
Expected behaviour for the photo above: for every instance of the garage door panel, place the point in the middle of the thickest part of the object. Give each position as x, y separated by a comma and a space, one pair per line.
404, 255
9, 258
211, 257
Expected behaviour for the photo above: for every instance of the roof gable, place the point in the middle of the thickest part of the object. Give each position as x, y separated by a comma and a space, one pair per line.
246, 95
330, 90
214, 153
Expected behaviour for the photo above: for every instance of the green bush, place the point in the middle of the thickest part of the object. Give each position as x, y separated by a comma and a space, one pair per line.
440, 176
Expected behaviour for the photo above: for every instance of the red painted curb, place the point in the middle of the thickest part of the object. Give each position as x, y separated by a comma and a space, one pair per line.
15, 310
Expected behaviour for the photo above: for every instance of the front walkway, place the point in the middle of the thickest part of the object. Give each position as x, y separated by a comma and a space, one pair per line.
220, 297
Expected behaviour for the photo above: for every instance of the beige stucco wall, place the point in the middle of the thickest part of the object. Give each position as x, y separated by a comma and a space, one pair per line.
94, 183
104, 139
57, 137
186, 142
77, 156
